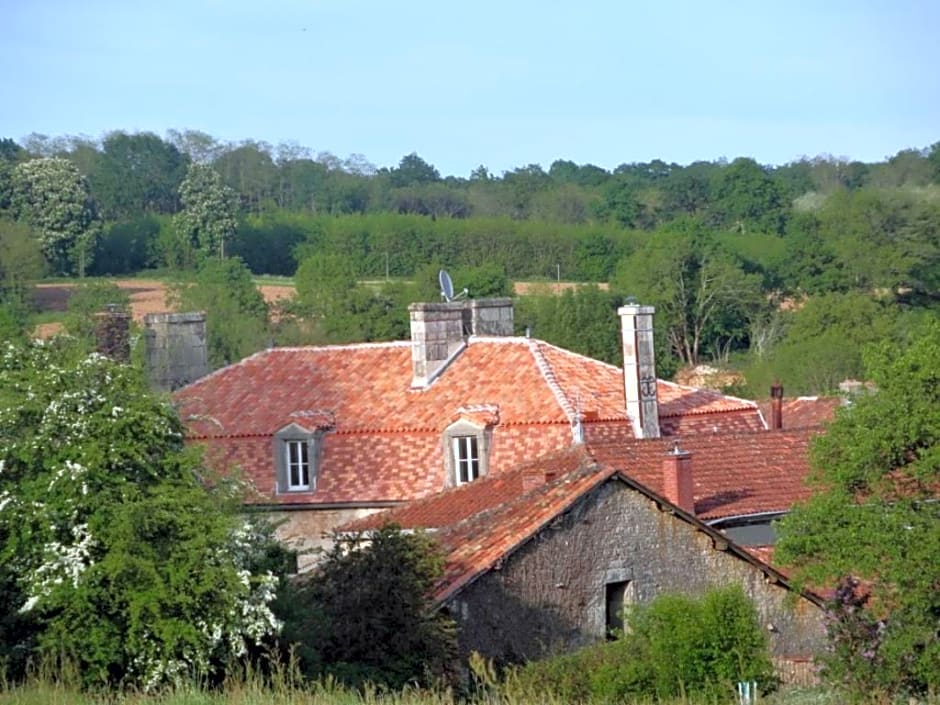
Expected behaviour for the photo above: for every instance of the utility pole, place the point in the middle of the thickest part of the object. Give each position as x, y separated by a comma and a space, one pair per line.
386, 266
558, 272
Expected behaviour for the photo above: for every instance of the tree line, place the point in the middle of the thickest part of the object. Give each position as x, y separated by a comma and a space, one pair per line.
722, 249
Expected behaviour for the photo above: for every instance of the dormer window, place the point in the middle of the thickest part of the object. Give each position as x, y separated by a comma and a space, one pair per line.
297, 458
466, 451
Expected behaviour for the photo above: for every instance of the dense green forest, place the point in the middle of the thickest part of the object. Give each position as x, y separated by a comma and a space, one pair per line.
783, 271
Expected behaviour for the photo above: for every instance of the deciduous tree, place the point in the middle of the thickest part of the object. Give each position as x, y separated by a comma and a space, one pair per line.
208, 217
52, 196
366, 614
874, 517
703, 297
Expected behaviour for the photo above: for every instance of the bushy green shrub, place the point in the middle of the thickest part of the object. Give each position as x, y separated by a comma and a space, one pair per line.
675, 646
366, 614
114, 557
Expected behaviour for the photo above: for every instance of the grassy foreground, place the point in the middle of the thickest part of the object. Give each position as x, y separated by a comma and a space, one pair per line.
39, 692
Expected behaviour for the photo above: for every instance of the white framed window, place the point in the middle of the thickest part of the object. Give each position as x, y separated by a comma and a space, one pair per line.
466, 450
296, 459
298, 465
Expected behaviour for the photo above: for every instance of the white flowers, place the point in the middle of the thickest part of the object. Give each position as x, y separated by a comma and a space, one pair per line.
62, 563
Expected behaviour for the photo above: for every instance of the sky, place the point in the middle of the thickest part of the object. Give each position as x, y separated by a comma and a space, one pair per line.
501, 84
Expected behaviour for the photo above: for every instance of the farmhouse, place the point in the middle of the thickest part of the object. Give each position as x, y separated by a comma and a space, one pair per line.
330, 434
545, 557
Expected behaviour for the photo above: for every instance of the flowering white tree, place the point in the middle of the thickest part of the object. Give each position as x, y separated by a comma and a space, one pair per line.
111, 548
208, 215
52, 196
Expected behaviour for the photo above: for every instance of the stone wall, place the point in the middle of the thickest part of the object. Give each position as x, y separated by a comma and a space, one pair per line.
550, 596
307, 530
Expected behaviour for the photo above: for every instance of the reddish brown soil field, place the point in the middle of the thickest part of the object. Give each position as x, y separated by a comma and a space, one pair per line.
147, 296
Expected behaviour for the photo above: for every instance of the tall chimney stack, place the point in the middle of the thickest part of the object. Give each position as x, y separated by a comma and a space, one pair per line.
639, 369
776, 406
677, 479
176, 349
437, 336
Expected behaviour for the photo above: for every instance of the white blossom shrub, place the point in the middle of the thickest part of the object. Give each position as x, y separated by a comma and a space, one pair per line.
111, 547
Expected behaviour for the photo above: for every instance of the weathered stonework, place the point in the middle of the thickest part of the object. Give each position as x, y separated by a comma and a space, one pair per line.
176, 349
437, 334
308, 531
549, 596
491, 316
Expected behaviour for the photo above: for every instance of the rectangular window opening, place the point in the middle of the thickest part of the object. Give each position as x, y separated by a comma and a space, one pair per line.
298, 465
618, 597
466, 459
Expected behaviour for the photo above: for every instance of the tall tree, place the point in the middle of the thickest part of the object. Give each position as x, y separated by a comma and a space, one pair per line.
208, 216
137, 174
748, 198
874, 517
703, 298
413, 170
52, 196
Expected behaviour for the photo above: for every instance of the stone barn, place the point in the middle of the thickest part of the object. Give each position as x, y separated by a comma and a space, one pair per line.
545, 558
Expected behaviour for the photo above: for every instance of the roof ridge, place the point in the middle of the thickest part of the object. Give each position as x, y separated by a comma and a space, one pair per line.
548, 374
580, 356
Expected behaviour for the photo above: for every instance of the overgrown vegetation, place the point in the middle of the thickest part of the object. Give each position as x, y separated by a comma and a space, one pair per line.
366, 615
114, 555
674, 647
872, 526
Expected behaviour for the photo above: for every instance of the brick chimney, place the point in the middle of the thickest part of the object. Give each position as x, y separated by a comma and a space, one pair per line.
112, 333
776, 406
639, 369
437, 337
677, 479
537, 478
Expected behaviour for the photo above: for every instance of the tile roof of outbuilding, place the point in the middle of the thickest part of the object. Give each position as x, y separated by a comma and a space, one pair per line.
478, 525
733, 475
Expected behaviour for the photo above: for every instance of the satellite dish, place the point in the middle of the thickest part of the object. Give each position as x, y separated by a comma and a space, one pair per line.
447, 285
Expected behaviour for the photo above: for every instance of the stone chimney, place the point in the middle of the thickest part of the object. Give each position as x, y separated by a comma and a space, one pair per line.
677, 479
176, 349
776, 406
491, 316
112, 333
437, 337
639, 369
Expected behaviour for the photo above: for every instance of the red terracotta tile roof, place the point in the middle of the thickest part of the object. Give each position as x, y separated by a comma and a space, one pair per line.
384, 441
478, 525
733, 474
801, 412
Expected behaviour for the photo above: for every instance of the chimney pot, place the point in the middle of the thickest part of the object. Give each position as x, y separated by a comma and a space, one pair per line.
677, 479
776, 406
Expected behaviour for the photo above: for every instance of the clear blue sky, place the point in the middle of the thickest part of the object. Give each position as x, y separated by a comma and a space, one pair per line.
502, 84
